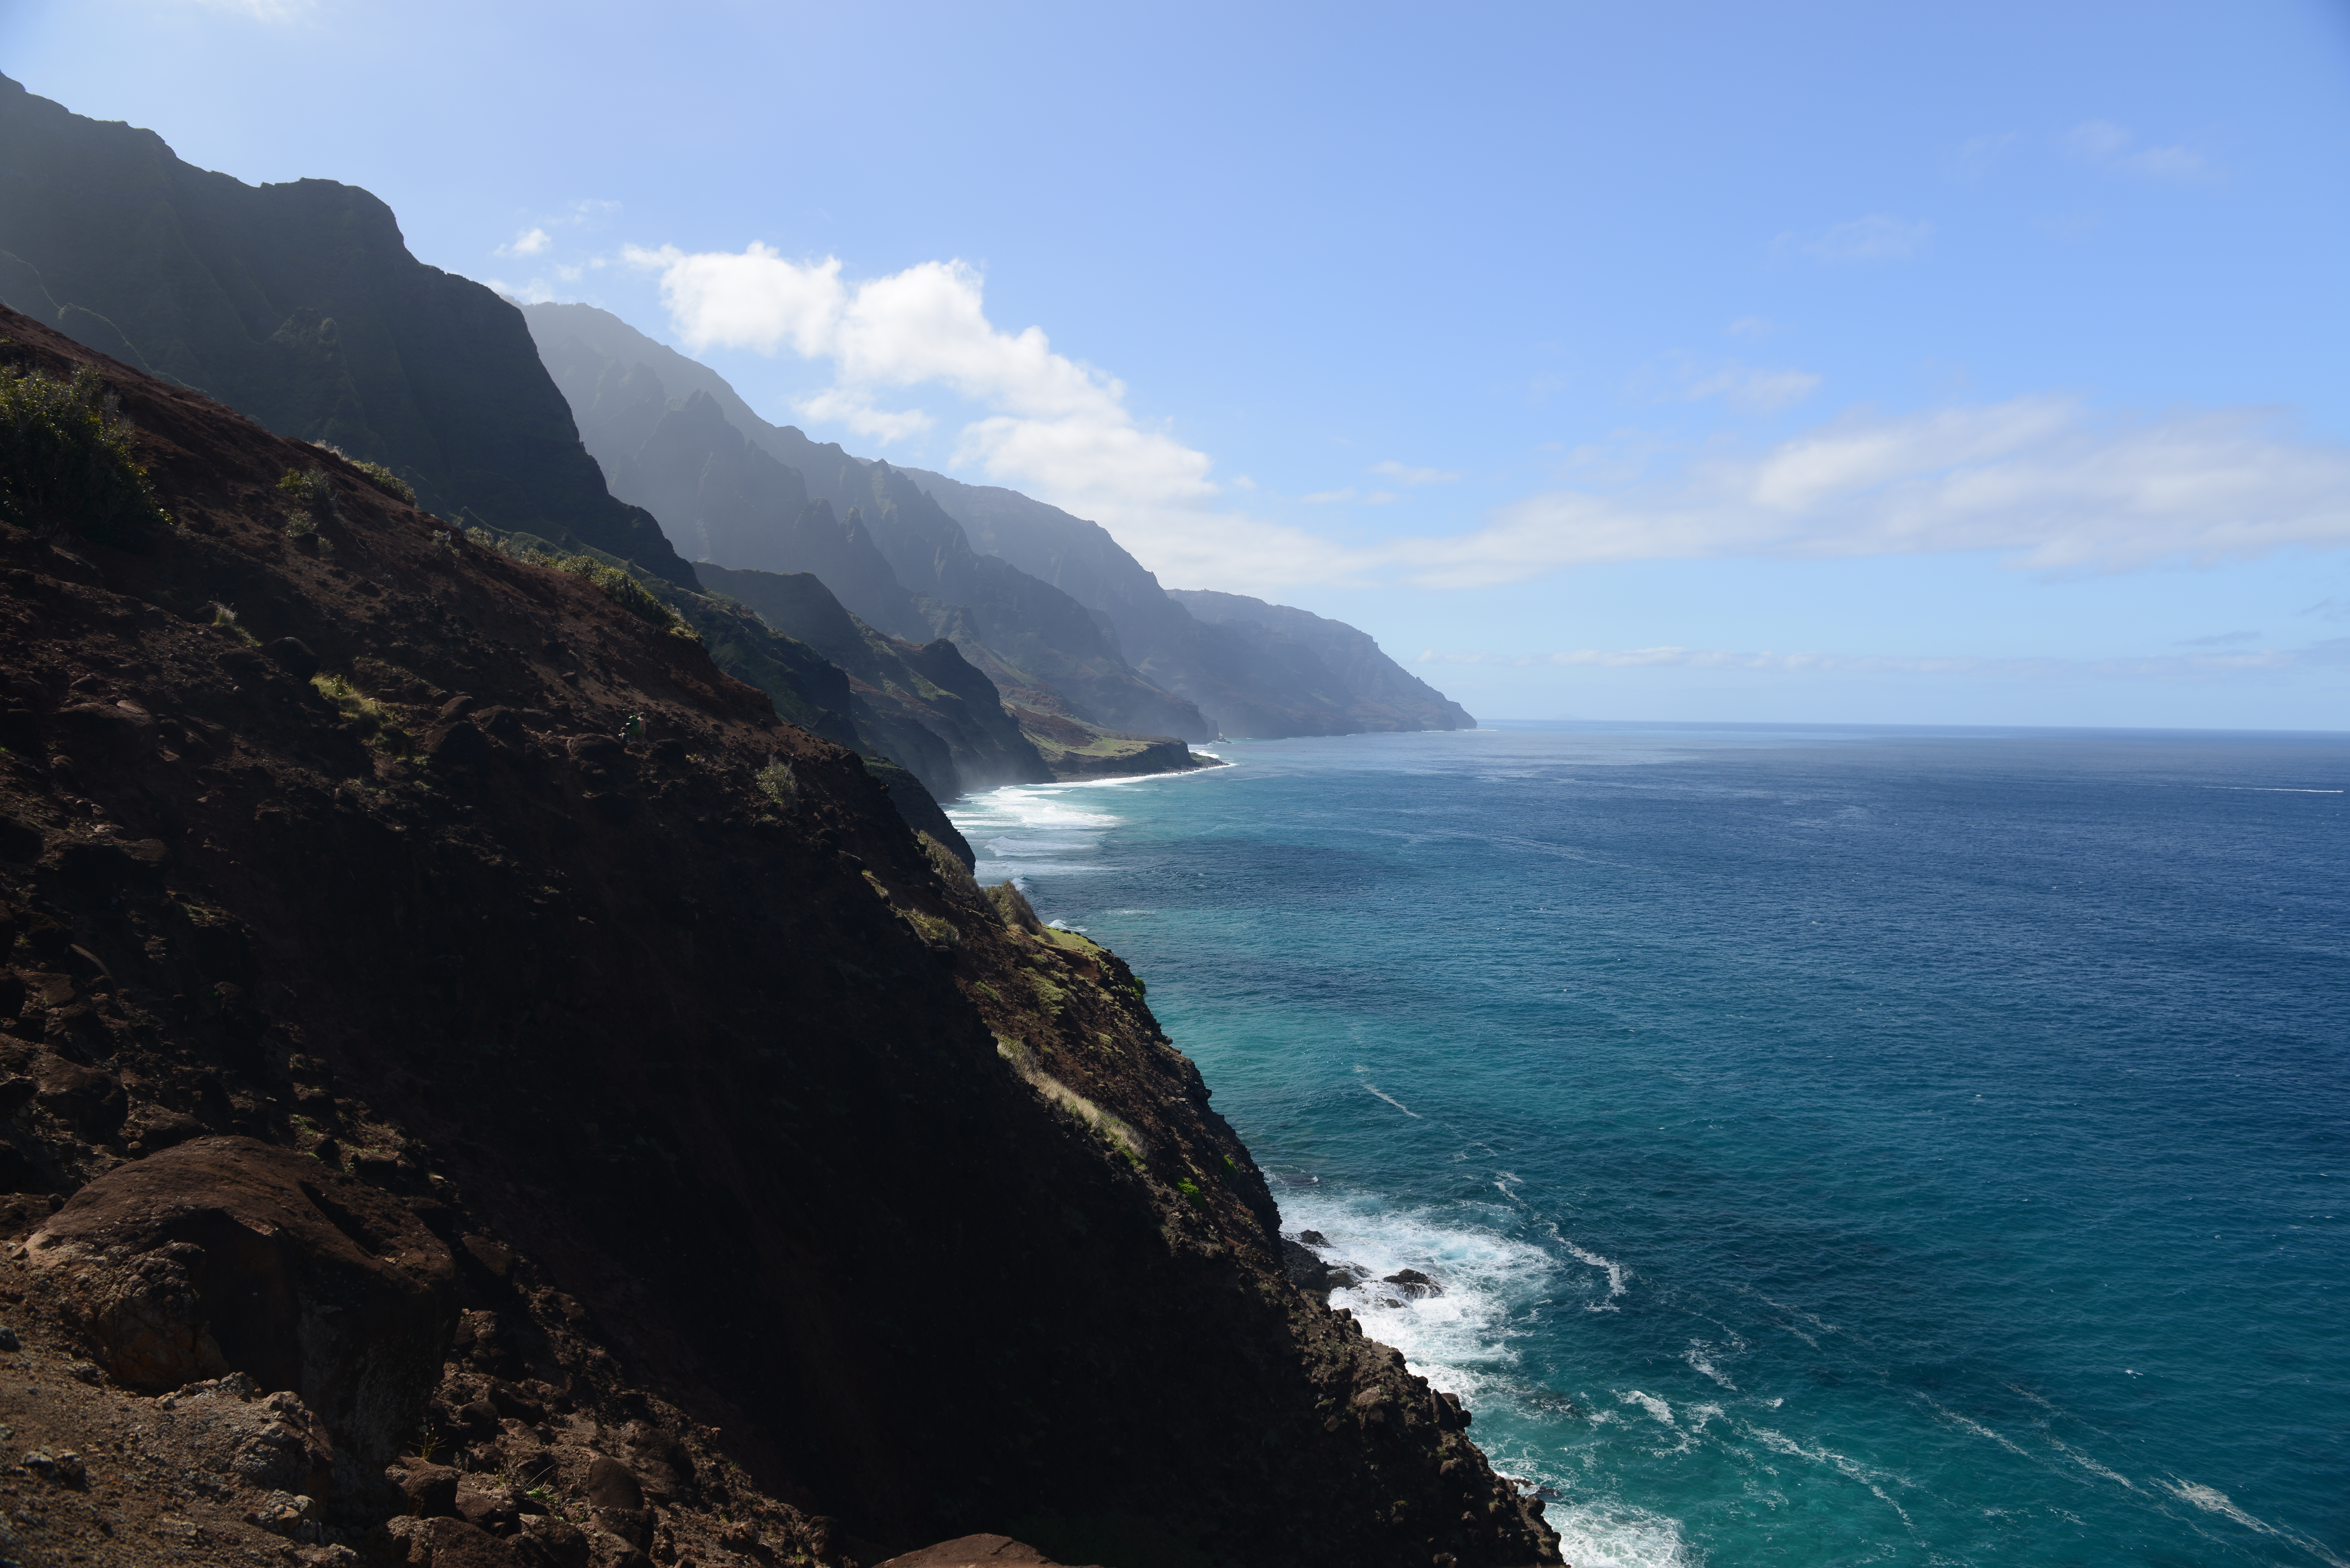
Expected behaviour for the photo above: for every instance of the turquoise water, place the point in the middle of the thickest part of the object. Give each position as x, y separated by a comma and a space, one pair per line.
1835, 1146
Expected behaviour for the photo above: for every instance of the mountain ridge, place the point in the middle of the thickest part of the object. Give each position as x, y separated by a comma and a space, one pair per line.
300, 305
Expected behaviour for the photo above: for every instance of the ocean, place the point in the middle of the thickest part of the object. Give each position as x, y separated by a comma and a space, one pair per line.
1833, 1146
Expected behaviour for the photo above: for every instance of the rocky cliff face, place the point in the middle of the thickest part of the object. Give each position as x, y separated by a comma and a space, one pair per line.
732, 1179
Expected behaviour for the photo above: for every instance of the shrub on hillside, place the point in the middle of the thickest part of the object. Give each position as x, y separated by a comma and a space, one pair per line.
390, 483
376, 474
66, 466
948, 864
778, 782
628, 594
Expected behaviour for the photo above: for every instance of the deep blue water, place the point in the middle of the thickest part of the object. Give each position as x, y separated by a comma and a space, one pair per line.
1837, 1145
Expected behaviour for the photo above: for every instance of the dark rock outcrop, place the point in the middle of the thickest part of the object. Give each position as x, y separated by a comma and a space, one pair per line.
225, 1254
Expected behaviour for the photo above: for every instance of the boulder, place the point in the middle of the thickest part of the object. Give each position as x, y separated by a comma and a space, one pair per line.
90, 1102
430, 1490
293, 656
271, 1442
457, 744
494, 1509
454, 1543
104, 734
1413, 1284
619, 1501
225, 1254
973, 1551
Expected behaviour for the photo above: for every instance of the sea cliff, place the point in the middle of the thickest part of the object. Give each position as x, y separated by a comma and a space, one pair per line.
403, 935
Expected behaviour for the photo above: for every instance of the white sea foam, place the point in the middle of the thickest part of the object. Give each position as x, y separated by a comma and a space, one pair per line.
2090, 1465
1463, 1341
1657, 1408
2276, 789
1390, 1099
1615, 1271
2212, 1499
1845, 1464
1699, 1355
1978, 1428
1604, 1534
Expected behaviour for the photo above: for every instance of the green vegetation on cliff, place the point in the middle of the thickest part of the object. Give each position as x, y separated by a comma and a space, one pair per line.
66, 463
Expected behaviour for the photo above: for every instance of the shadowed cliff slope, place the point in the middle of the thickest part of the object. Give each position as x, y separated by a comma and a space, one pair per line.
877, 541
299, 305
906, 697
786, 1173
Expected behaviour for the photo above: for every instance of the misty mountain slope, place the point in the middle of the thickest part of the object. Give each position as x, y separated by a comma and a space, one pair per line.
905, 697
299, 305
683, 461
1374, 685
934, 530
1250, 686
681, 458
1028, 622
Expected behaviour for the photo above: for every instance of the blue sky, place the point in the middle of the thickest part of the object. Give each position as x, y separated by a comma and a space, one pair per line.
1974, 363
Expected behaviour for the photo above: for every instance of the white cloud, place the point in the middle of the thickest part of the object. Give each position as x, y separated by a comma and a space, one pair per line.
2039, 479
2106, 145
529, 243
264, 10
1759, 391
1874, 238
1059, 429
2097, 140
534, 292
1753, 326
1403, 476
2169, 162
2165, 667
2043, 481
1977, 155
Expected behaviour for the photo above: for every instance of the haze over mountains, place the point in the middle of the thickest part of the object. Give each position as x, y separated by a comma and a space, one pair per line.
967, 635
675, 437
